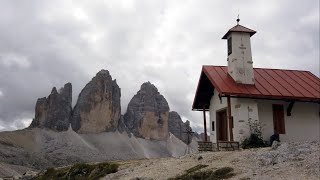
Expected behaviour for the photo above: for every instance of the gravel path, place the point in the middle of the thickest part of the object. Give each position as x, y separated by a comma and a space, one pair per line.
289, 161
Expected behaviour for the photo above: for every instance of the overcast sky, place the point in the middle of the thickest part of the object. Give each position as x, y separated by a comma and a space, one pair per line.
49, 43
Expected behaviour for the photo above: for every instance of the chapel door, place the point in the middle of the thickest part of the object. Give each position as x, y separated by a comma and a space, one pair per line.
222, 131
278, 119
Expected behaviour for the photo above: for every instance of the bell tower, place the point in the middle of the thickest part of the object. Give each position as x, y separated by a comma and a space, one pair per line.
240, 64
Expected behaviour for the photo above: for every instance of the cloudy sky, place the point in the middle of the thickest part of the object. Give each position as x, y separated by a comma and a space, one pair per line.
48, 43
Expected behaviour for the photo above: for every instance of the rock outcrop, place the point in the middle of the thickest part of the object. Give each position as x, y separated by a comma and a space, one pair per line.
148, 113
98, 107
55, 111
179, 128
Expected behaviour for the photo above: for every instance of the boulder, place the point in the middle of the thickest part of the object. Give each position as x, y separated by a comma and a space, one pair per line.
178, 128
98, 107
275, 145
55, 111
147, 114
30, 175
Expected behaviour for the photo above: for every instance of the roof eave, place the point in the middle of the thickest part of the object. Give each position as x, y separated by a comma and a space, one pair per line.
227, 34
195, 97
205, 73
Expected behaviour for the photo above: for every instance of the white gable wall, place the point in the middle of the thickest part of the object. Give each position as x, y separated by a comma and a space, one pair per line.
302, 125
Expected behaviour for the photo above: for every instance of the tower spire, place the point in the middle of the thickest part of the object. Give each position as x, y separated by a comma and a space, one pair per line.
238, 20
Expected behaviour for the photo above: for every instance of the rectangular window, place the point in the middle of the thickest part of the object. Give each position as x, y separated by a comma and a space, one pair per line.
278, 119
229, 46
212, 125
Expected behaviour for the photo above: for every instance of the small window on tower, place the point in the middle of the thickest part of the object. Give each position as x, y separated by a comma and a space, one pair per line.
212, 125
229, 46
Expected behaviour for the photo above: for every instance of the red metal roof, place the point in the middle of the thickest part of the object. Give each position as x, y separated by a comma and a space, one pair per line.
239, 28
269, 84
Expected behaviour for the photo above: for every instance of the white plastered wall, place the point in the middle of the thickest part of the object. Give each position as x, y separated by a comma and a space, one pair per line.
240, 64
302, 125
245, 110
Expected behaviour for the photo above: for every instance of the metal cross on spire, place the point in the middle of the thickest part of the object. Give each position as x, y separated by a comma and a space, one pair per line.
238, 20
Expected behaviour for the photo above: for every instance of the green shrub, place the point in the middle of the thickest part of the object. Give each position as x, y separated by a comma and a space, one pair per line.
79, 172
255, 139
103, 169
50, 173
222, 173
196, 168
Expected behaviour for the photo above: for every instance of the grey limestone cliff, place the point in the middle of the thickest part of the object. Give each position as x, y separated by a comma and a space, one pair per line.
98, 107
147, 114
54, 112
178, 128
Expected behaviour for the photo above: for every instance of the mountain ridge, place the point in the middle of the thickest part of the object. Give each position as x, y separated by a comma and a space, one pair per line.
98, 109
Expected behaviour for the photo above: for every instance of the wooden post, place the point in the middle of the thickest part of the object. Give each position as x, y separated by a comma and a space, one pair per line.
205, 123
230, 118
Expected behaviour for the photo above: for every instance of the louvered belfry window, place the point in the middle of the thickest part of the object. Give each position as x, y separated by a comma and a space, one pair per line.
212, 125
229, 45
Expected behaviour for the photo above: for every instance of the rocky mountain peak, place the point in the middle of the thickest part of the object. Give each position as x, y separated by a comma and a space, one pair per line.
54, 91
103, 71
98, 107
148, 87
103, 74
66, 91
147, 113
55, 111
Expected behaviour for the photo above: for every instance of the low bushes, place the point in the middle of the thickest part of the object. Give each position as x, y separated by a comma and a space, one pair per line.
79, 172
196, 173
